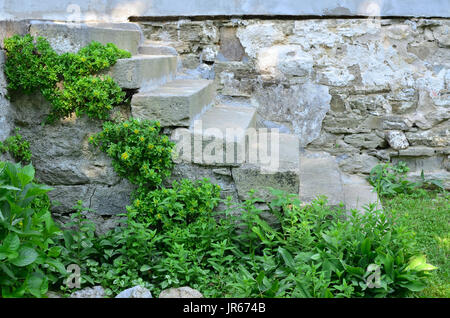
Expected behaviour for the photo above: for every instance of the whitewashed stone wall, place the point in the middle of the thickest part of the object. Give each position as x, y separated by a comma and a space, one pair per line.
365, 90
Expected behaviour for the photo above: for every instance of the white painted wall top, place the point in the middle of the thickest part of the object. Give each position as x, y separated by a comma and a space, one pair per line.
121, 10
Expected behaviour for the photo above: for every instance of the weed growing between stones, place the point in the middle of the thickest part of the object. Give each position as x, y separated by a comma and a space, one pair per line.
17, 147
390, 180
139, 152
70, 81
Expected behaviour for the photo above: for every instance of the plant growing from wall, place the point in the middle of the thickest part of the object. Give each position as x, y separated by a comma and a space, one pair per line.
390, 180
69, 81
138, 150
17, 147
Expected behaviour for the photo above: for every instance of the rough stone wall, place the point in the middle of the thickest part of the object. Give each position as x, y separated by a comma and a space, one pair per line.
7, 28
364, 90
5, 118
62, 156
64, 159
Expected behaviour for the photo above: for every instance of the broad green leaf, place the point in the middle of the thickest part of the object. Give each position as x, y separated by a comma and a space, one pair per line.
10, 243
365, 246
287, 257
145, 268
419, 263
8, 187
26, 256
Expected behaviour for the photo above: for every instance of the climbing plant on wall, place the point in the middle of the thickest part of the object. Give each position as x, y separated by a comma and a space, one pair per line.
70, 81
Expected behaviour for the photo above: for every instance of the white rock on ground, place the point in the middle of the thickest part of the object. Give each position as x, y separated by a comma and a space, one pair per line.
182, 292
135, 292
94, 292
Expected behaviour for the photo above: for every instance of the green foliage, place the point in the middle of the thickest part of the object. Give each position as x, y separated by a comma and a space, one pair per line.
314, 251
138, 150
31, 65
427, 214
390, 180
90, 95
68, 81
182, 204
317, 253
27, 261
17, 147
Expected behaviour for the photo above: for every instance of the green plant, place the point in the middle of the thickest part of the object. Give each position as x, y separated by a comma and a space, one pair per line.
390, 180
138, 150
68, 81
181, 204
27, 261
427, 214
317, 253
17, 147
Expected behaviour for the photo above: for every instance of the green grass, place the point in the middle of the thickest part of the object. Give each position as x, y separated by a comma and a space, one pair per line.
428, 215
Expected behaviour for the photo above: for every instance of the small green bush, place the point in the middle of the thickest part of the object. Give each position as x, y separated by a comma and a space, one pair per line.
27, 261
68, 81
138, 150
181, 204
17, 147
390, 180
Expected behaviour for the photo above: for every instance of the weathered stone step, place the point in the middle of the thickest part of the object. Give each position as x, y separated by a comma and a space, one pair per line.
320, 175
157, 48
174, 104
144, 71
217, 137
70, 37
272, 162
358, 192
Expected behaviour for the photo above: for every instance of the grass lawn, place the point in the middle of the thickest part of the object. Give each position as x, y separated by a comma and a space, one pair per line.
428, 215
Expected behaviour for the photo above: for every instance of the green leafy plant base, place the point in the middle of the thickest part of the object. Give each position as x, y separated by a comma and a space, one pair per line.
69, 80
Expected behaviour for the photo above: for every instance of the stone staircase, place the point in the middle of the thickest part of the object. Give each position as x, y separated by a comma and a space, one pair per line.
189, 109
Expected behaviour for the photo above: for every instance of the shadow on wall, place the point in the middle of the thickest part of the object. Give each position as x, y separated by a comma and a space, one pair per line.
121, 10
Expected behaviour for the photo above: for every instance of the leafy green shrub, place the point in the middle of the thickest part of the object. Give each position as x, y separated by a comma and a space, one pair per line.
90, 95
142, 252
314, 252
31, 65
317, 253
17, 147
181, 204
68, 81
390, 180
138, 150
27, 262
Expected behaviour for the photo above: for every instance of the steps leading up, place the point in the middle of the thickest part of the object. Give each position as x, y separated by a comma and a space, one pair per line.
320, 175
217, 137
70, 37
272, 161
144, 71
157, 48
175, 103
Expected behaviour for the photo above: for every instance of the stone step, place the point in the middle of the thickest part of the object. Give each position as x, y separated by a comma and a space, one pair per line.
358, 192
144, 71
70, 37
217, 137
157, 48
175, 104
320, 175
272, 161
